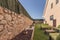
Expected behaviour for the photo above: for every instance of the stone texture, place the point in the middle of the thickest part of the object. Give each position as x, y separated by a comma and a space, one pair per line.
8, 17
5, 10
3, 22
12, 24
1, 17
1, 28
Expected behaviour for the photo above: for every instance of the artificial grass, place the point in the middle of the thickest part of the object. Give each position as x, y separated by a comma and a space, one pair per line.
39, 34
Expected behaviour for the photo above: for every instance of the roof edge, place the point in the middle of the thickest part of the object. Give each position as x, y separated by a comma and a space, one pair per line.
45, 7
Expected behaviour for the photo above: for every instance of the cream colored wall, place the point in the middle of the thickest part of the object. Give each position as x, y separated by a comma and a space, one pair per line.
54, 11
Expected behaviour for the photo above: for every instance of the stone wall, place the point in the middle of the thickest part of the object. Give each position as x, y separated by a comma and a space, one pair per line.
11, 23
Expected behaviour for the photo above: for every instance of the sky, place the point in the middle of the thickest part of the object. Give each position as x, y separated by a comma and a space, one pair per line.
35, 8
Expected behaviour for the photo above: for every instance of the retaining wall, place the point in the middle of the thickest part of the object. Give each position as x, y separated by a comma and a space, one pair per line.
11, 23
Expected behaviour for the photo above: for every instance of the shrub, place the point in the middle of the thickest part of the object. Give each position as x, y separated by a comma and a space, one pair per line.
58, 37
39, 34
46, 26
59, 26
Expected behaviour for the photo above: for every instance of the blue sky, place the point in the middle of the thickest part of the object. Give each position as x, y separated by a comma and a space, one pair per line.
35, 8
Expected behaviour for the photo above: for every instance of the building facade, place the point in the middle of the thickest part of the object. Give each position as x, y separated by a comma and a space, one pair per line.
52, 13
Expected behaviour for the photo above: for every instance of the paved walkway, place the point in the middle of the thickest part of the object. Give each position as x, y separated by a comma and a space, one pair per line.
23, 36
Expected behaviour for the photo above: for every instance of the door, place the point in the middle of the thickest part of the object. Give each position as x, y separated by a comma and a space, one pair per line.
54, 23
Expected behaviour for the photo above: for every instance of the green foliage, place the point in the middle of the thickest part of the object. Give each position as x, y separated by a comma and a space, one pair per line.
58, 37
39, 34
59, 26
45, 26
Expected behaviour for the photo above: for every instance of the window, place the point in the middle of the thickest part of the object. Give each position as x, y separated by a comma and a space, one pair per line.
51, 17
51, 5
57, 1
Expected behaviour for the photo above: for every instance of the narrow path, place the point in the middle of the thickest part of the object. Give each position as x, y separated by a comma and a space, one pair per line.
23, 36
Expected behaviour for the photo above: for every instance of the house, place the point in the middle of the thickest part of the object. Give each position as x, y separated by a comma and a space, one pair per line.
52, 13
38, 20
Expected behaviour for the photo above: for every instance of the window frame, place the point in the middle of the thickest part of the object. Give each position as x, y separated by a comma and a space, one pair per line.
57, 1
51, 17
51, 5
